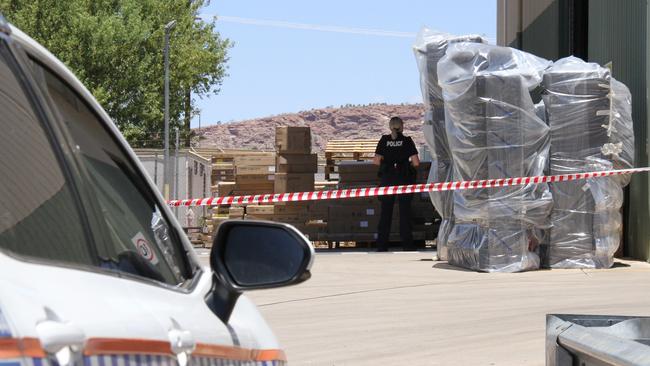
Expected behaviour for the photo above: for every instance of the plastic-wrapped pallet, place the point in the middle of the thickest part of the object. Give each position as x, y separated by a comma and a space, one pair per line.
493, 131
589, 114
429, 48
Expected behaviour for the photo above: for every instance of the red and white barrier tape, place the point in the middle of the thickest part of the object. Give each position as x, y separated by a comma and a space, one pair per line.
393, 190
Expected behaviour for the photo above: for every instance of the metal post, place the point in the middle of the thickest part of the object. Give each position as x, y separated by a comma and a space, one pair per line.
166, 170
175, 190
176, 163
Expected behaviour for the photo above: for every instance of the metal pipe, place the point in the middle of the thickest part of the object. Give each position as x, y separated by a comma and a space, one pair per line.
608, 349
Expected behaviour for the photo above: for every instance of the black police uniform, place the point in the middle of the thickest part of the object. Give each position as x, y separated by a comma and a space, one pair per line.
396, 169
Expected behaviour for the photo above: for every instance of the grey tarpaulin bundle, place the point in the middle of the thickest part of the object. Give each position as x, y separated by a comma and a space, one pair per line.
482, 123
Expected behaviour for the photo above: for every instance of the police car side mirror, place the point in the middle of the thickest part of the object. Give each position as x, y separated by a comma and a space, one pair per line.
250, 255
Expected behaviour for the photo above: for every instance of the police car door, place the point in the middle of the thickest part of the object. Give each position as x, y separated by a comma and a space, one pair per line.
63, 298
143, 245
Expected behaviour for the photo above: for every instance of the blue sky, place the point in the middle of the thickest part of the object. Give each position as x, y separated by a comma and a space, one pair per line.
288, 67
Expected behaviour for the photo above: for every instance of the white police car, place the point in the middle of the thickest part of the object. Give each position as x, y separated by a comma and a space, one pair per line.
94, 270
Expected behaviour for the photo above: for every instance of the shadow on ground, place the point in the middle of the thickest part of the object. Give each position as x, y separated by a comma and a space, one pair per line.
449, 267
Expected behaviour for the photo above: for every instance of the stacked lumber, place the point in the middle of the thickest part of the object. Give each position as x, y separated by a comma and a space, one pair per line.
345, 150
223, 162
307, 217
236, 213
254, 174
255, 170
356, 220
222, 171
222, 189
295, 169
325, 185
357, 174
291, 169
218, 215
295, 164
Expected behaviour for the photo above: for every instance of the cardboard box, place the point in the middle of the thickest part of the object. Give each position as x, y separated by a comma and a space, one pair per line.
294, 182
318, 210
245, 191
223, 188
350, 211
357, 167
297, 168
297, 163
236, 213
253, 184
293, 140
254, 169
358, 201
278, 209
255, 160
311, 228
292, 208
260, 210
352, 226
286, 219
260, 188
251, 179
359, 177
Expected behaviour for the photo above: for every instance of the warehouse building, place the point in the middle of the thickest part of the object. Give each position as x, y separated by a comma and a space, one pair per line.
611, 33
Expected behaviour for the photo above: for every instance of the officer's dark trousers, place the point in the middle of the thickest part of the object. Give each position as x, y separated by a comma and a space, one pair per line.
405, 227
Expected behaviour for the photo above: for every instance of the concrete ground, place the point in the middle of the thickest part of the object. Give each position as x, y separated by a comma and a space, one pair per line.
405, 309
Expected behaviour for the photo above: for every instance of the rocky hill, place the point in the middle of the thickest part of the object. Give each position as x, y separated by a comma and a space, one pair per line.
345, 123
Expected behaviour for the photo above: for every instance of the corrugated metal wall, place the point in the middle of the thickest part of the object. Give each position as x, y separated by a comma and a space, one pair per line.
530, 25
617, 33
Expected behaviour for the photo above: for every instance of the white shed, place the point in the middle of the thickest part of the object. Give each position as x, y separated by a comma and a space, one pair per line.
190, 178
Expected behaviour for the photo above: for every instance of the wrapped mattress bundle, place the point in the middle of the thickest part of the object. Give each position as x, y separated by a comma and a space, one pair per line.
589, 114
429, 48
493, 131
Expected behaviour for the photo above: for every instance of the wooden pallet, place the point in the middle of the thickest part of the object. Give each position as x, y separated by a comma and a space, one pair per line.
338, 150
227, 156
324, 185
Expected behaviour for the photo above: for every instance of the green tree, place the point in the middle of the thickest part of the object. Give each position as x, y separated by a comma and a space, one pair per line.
115, 48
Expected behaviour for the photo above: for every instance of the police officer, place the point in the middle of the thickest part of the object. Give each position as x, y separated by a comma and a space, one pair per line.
397, 158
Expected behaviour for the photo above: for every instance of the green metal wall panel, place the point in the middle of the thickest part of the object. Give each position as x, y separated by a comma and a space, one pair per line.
541, 36
618, 34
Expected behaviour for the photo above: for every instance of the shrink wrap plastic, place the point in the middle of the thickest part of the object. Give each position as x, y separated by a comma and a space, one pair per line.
429, 48
493, 131
481, 123
589, 114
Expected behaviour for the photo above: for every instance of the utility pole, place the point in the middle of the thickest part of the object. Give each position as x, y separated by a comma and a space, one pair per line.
167, 171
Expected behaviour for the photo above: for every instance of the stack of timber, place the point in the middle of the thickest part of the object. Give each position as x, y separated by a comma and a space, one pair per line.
295, 169
219, 215
357, 174
347, 150
291, 169
254, 174
224, 182
223, 162
295, 164
356, 220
